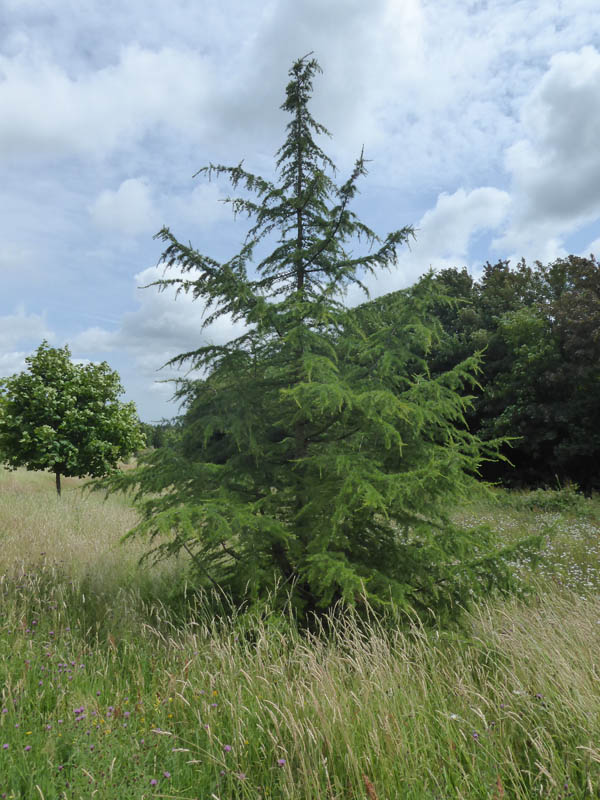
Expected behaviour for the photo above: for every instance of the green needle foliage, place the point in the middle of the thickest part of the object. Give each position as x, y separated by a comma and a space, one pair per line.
66, 417
316, 453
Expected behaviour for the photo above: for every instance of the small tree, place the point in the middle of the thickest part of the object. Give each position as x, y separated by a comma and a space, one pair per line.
317, 452
65, 417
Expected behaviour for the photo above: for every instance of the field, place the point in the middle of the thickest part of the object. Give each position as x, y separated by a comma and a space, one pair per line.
111, 687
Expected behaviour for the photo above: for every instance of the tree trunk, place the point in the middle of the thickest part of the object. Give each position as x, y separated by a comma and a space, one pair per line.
300, 428
57, 474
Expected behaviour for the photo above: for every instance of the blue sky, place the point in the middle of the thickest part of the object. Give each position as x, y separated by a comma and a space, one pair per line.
481, 122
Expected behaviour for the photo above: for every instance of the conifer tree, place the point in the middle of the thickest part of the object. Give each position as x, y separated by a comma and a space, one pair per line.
316, 453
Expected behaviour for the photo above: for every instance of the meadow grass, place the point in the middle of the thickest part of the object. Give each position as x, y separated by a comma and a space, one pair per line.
108, 691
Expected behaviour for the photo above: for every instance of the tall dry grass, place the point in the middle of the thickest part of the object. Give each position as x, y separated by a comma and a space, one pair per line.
78, 533
115, 697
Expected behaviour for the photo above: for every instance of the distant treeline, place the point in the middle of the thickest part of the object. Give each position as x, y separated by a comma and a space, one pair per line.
161, 434
538, 330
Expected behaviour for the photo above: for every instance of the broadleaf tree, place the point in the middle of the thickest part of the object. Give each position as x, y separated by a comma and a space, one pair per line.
539, 387
316, 454
66, 417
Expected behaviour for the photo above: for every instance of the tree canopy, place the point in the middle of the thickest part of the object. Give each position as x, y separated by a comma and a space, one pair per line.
65, 417
317, 453
539, 326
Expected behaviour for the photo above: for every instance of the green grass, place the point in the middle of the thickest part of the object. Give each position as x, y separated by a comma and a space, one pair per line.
106, 687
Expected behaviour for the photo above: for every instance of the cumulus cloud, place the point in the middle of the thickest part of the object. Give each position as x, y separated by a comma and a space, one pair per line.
555, 167
162, 327
20, 334
429, 88
104, 109
446, 230
12, 362
95, 340
203, 206
450, 99
21, 327
135, 208
592, 248
558, 166
443, 237
128, 210
393, 81
353, 42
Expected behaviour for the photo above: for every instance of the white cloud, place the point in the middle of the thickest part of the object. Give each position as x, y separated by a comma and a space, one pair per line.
128, 210
359, 47
12, 362
101, 110
447, 230
105, 117
429, 88
443, 237
135, 208
203, 206
22, 327
162, 327
593, 248
20, 335
95, 340
555, 167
